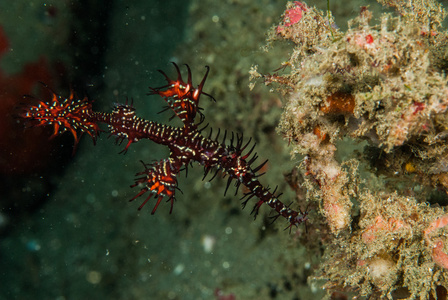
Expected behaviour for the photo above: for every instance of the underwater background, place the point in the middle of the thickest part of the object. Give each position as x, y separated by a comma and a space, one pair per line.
68, 231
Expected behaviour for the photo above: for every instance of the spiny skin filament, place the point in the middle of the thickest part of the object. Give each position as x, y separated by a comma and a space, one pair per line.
186, 144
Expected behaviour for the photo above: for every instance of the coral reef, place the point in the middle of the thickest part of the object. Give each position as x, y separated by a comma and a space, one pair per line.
381, 84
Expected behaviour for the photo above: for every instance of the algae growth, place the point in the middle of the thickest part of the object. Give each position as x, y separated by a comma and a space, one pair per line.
380, 215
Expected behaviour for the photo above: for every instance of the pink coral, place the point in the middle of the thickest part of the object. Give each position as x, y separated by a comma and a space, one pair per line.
380, 224
293, 15
438, 255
